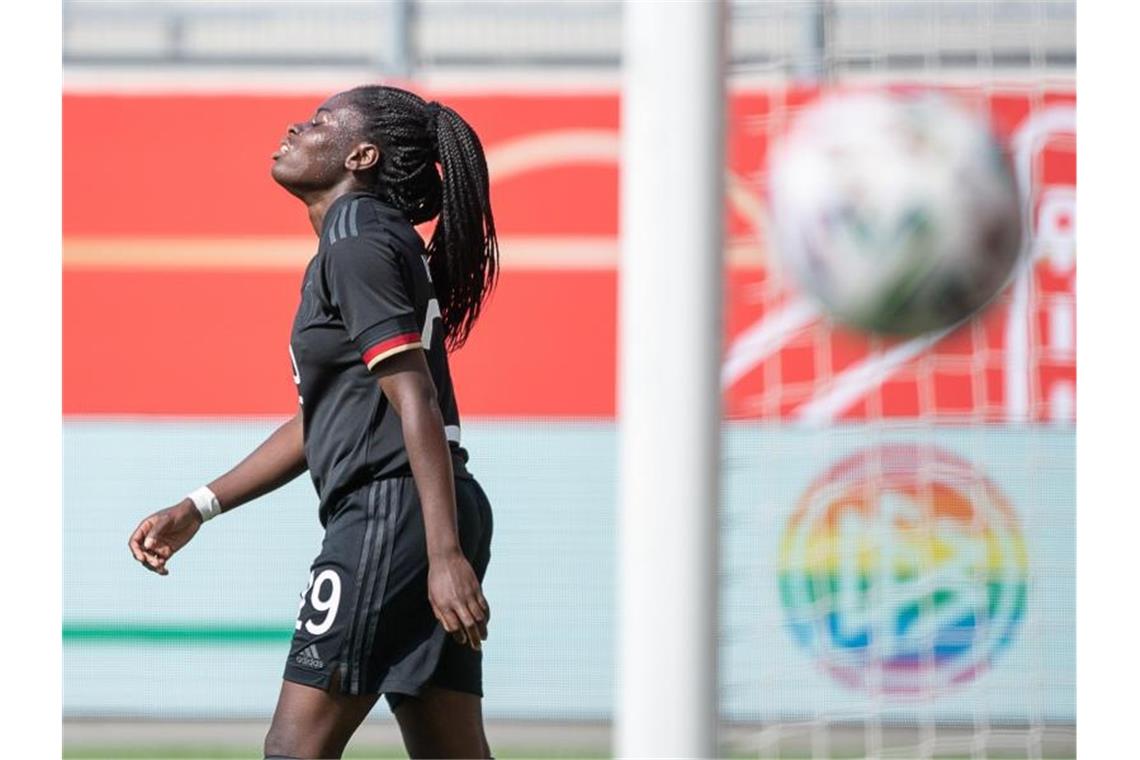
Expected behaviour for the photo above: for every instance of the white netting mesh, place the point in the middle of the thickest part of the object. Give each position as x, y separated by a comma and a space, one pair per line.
898, 562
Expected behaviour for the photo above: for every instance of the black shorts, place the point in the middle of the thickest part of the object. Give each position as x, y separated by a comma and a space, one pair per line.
366, 615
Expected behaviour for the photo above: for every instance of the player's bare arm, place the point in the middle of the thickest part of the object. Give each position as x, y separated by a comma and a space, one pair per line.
453, 588
278, 460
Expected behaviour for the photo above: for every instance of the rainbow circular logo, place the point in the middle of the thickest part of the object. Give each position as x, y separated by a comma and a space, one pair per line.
903, 571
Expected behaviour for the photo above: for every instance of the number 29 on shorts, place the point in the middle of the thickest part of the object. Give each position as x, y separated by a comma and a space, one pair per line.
323, 593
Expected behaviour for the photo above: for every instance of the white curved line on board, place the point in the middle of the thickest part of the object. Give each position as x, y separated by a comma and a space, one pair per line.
765, 338
549, 149
851, 385
569, 147
578, 147
1029, 137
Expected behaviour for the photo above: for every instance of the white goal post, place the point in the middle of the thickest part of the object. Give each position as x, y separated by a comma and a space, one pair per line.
669, 408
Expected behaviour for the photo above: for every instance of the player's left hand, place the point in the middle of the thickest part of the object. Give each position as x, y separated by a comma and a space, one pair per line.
457, 599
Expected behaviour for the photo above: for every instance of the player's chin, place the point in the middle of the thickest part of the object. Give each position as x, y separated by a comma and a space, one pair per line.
281, 173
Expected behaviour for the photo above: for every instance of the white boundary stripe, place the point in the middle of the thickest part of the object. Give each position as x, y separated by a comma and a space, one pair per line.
851, 385
764, 338
575, 252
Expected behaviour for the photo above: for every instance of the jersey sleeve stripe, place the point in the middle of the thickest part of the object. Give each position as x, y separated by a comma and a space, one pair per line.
384, 349
341, 232
332, 231
352, 217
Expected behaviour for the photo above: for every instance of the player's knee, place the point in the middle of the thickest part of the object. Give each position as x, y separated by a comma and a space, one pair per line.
443, 723
293, 740
279, 744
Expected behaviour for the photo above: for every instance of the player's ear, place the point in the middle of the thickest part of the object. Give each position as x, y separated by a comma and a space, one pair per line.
363, 157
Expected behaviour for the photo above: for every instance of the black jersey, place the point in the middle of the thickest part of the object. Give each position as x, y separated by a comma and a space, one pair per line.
366, 296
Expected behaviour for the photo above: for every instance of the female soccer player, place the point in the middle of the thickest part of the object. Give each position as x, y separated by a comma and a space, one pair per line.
394, 604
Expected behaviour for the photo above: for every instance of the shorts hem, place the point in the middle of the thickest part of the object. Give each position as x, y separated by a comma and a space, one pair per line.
320, 681
396, 693
407, 688
323, 681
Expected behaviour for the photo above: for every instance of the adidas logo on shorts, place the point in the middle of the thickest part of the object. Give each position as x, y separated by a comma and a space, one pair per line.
309, 657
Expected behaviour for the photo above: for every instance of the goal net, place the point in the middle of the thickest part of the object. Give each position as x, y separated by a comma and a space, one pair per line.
897, 551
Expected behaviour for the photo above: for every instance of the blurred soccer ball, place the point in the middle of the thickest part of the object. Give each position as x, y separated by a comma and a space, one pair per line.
897, 212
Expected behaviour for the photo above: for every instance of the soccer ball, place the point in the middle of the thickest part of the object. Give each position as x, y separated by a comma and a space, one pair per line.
897, 212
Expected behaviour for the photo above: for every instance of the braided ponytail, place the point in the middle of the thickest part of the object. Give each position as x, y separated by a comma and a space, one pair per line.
413, 136
465, 233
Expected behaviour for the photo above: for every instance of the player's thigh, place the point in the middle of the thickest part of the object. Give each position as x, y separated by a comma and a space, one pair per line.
311, 722
443, 723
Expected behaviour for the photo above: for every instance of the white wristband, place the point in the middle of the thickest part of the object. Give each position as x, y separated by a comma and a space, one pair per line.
206, 502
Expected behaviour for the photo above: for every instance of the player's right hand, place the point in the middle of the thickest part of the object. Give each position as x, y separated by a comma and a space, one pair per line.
457, 599
160, 535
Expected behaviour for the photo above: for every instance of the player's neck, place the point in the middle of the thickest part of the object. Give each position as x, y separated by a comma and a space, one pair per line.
320, 202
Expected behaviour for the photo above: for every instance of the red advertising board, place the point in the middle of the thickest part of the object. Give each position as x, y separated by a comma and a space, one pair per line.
182, 261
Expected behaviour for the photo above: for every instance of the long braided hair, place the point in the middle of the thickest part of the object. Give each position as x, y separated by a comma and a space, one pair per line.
414, 136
